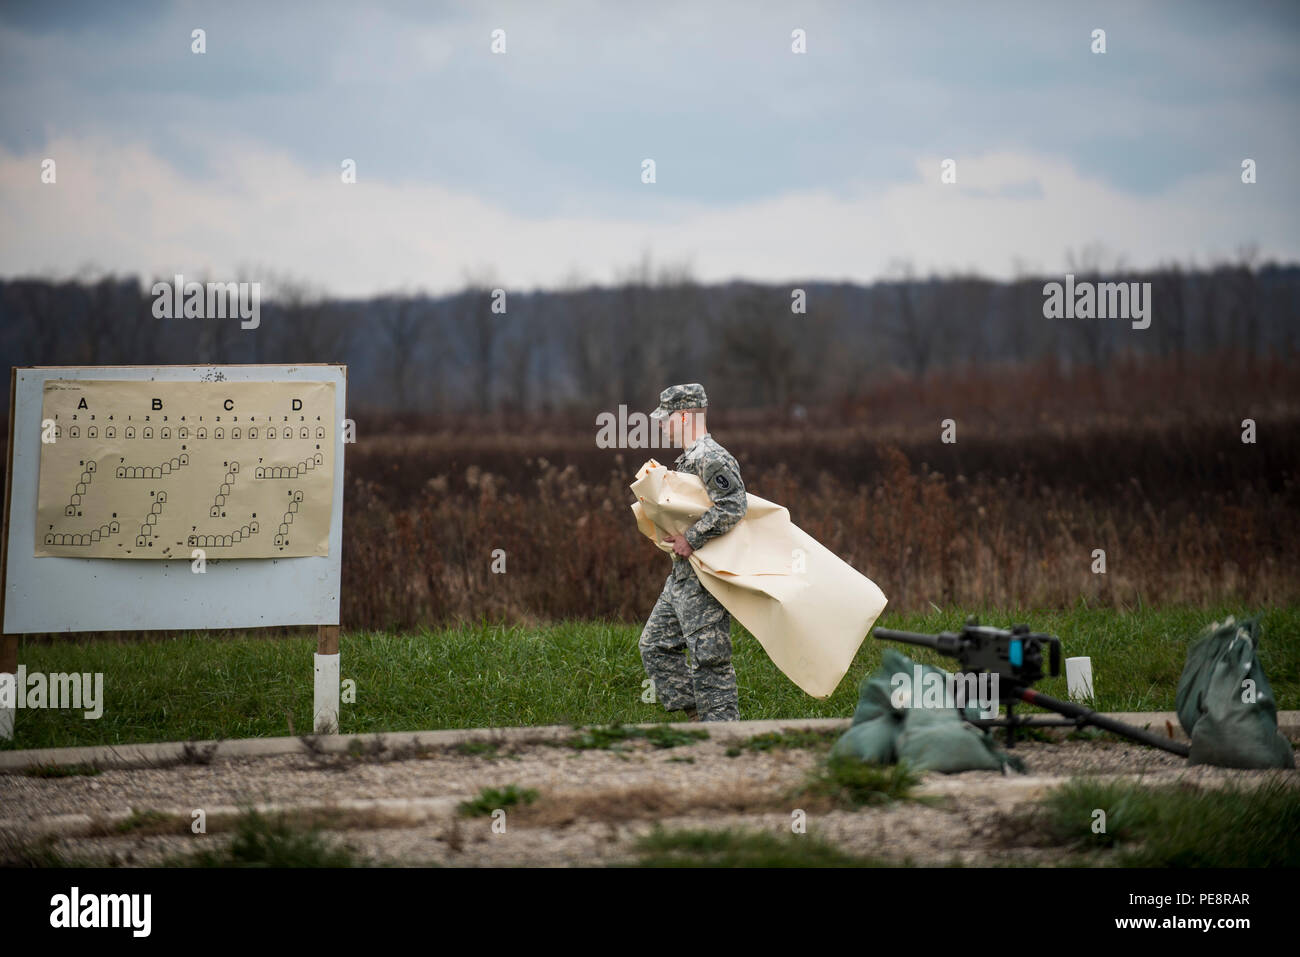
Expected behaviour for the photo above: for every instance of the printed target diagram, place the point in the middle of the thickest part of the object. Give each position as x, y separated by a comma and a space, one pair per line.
154, 470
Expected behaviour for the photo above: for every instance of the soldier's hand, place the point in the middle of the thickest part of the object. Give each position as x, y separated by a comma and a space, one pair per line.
680, 545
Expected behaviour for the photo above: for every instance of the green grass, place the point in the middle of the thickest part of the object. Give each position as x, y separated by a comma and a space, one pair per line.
740, 848
39, 852
599, 739
272, 841
790, 738
614, 736
195, 687
1033, 734
151, 821
853, 783
667, 736
62, 770
1175, 825
489, 799
485, 749
258, 840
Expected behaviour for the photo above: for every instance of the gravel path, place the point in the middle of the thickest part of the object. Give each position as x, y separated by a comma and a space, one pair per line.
593, 805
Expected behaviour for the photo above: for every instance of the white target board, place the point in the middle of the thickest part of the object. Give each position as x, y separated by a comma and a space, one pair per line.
227, 479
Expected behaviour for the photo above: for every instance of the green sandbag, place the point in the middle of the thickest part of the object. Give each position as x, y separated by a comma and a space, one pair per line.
933, 740
1226, 730
926, 738
875, 690
869, 740
873, 699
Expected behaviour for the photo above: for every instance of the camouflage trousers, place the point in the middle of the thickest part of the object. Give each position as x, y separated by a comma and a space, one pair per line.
686, 617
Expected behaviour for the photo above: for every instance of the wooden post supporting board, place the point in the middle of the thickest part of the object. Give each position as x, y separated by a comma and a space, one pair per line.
8, 666
8, 643
326, 709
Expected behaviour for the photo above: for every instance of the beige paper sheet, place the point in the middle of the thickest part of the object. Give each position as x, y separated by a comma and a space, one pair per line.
809, 609
158, 469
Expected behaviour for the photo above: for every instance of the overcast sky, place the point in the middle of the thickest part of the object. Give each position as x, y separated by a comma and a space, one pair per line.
526, 166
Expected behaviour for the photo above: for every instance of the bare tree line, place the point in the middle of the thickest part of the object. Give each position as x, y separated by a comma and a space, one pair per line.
492, 349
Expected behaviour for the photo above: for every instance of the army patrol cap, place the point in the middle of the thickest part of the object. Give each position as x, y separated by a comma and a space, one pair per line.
677, 398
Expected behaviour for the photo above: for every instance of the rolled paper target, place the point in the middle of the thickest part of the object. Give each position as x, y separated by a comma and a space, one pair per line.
1078, 678
810, 621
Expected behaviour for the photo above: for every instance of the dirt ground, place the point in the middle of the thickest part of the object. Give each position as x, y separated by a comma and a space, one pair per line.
399, 807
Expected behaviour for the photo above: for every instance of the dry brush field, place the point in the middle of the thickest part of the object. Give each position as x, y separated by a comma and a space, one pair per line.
1144, 460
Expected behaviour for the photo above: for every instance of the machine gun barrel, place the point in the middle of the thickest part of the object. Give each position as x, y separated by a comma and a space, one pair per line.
946, 642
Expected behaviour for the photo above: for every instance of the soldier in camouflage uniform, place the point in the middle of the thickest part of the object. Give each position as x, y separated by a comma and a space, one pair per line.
687, 616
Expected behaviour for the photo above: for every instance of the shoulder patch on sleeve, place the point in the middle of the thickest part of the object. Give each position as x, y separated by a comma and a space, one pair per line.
722, 482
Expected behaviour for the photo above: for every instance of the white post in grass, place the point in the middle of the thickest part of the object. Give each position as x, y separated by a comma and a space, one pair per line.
8, 685
8, 705
1078, 678
325, 708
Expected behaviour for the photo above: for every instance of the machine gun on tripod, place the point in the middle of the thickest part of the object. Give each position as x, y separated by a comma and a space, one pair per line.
1016, 657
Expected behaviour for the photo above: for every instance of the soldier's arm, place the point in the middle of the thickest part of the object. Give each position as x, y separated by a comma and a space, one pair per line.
727, 492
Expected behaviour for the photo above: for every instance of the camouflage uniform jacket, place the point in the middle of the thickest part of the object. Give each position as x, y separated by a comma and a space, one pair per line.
720, 474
